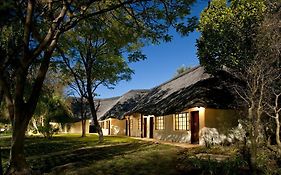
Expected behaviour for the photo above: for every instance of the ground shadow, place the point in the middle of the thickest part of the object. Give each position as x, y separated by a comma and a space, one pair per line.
82, 156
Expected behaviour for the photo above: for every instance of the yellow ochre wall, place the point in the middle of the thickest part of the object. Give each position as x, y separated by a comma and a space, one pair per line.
117, 127
135, 131
75, 128
221, 119
183, 136
169, 133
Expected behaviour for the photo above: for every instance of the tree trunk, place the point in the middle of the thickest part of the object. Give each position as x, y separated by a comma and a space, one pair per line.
21, 113
18, 163
1, 167
99, 131
277, 131
90, 99
34, 123
83, 117
253, 145
95, 118
1, 95
83, 128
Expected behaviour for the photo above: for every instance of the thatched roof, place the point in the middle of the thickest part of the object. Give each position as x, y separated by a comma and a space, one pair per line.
193, 88
105, 105
121, 105
114, 107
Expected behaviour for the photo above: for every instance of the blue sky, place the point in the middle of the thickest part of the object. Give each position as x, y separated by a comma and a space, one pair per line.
162, 61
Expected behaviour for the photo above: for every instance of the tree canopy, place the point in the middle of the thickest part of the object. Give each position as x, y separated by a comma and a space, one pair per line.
228, 33
243, 37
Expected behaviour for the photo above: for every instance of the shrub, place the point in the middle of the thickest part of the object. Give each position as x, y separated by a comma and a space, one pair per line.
48, 130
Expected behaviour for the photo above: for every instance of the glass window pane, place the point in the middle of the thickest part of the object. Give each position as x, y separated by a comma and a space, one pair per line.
181, 121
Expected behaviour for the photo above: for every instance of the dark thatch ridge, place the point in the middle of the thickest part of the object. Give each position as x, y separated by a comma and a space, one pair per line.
193, 88
102, 105
114, 107
124, 104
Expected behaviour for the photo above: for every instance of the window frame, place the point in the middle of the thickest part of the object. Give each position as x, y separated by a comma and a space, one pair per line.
181, 121
159, 123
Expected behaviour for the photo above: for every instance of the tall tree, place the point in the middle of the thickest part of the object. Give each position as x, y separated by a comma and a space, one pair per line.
37, 27
97, 47
269, 39
232, 37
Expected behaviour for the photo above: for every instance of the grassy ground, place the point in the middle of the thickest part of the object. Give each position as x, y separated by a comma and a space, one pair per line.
71, 154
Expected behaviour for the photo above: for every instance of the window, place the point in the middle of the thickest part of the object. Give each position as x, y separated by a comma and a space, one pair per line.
182, 121
139, 124
159, 123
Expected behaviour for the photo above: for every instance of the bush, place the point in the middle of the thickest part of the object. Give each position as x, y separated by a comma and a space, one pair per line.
48, 130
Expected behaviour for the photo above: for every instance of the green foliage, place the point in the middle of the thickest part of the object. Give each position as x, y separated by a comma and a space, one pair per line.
215, 160
102, 48
233, 166
228, 33
48, 130
50, 108
93, 54
53, 107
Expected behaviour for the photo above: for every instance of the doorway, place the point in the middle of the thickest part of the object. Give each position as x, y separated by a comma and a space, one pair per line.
195, 127
151, 127
145, 127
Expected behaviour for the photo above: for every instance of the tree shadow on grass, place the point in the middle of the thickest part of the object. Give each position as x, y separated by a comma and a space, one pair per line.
44, 154
82, 156
142, 159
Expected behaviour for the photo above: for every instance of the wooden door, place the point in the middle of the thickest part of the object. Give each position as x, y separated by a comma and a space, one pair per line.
145, 127
151, 127
195, 127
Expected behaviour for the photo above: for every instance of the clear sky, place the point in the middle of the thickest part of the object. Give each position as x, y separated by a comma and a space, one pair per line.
162, 61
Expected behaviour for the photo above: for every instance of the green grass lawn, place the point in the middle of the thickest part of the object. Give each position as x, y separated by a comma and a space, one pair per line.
71, 154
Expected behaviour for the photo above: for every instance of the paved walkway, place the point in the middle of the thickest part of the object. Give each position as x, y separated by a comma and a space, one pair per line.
183, 145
